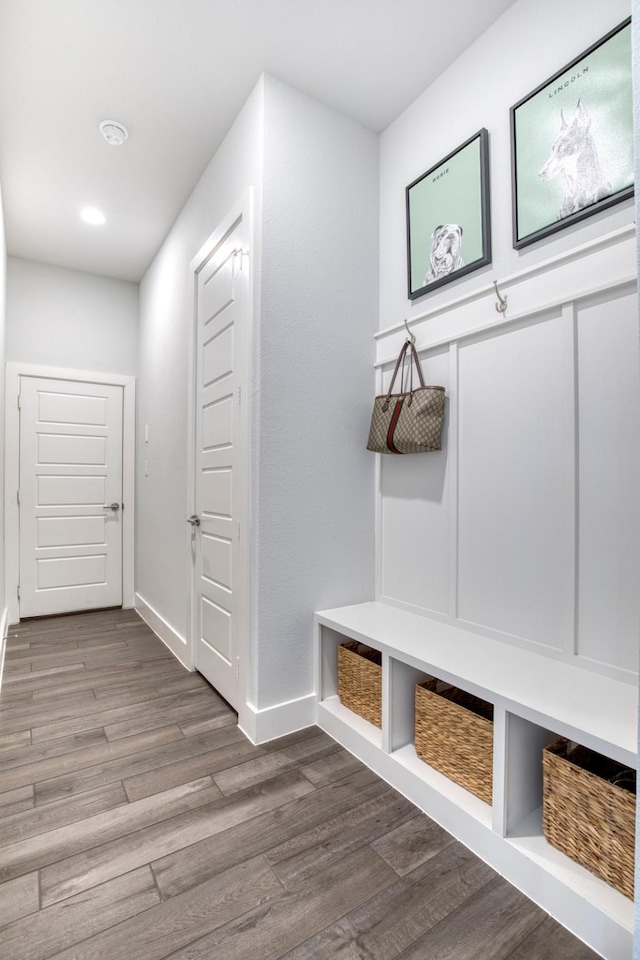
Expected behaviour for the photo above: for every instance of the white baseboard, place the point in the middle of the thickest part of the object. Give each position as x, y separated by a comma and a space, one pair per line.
170, 637
260, 726
4, 624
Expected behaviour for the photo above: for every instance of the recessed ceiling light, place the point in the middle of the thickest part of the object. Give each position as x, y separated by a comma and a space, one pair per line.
114, 133
93, 215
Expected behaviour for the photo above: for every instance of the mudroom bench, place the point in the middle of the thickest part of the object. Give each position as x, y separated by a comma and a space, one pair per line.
536, 699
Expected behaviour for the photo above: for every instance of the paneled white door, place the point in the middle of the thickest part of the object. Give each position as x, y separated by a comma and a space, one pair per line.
70, 496
222, 324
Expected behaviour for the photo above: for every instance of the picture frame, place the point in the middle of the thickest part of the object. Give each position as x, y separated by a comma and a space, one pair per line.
449, 218
572, 151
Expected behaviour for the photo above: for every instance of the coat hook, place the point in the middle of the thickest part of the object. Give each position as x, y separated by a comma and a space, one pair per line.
501, 307
412, 337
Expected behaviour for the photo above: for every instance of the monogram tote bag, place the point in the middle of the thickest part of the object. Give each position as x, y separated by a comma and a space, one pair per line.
409, 421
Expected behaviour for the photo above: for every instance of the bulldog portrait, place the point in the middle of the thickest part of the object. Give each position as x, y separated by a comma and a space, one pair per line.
444, 258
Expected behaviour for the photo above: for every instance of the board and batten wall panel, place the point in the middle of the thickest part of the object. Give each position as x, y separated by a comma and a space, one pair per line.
609, 479
528, 521
415, 514
516, 482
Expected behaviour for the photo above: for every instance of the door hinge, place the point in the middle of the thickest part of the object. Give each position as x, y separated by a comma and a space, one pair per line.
18, 496
237, 666
239, 395
18, 591
238, 526
19, 401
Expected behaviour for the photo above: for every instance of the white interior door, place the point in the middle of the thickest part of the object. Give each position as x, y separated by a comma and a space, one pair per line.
70, 496
222, 324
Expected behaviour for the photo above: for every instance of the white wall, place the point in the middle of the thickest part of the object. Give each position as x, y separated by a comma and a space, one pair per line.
529, 43
315, 283
526, 526
314, 490
65, 318
163, 555
3, 325
636, 85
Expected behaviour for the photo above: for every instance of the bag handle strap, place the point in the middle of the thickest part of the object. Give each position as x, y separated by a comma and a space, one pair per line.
414, 358
401, 357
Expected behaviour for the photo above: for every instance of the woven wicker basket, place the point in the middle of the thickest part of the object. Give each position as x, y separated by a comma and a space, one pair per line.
360, 680
586, 816
454, 734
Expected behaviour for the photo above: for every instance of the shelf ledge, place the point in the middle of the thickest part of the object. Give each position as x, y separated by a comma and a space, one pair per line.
361, 726
529, 839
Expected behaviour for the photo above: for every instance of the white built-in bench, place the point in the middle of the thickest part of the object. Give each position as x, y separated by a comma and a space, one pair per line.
535, 699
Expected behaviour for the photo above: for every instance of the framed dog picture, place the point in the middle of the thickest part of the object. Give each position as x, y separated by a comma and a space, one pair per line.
572, 141
448, 219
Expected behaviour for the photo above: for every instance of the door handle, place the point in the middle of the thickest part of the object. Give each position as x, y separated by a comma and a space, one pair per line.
194, 520
111, 506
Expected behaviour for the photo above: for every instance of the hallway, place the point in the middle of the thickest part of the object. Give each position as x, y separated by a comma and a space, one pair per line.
136, 821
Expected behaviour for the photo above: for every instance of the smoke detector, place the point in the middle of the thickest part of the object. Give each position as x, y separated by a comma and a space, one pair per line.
114, 133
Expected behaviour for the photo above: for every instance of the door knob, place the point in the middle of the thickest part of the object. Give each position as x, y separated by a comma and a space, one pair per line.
194, 520
111, 506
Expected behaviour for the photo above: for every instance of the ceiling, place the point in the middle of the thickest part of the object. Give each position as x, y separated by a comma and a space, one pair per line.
176, 73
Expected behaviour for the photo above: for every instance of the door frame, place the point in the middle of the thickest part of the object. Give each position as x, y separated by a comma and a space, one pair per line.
12, 471
242, 209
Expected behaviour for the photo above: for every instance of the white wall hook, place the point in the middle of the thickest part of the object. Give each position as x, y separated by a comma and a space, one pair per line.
412, 337
501, 306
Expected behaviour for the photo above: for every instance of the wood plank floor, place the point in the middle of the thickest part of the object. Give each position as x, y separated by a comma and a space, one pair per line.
138, 823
